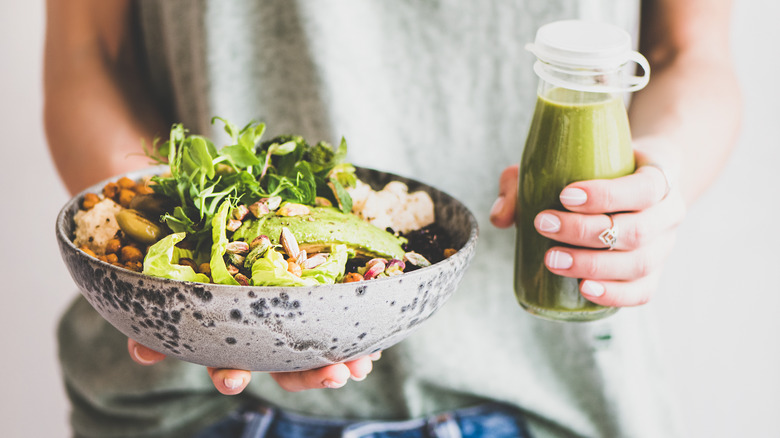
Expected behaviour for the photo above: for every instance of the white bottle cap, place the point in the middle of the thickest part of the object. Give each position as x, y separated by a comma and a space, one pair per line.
588, 45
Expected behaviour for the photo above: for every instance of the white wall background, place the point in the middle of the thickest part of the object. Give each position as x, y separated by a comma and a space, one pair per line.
719, 298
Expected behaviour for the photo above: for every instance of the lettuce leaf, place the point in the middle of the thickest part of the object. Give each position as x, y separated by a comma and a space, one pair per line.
162, 258
219, 272
271, 270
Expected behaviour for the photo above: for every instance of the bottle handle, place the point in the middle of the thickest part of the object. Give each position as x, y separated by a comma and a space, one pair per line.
550, 73
636, 83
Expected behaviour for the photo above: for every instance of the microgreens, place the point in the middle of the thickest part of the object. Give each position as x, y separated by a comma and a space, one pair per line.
202, 177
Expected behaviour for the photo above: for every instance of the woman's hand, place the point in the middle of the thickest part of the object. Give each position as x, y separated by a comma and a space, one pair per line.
645, 208
677, 121
231, 382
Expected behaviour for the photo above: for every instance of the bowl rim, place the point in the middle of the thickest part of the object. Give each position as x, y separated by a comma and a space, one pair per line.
465, 251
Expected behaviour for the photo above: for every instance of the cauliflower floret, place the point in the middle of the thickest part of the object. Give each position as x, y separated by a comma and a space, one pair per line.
393, 206
96, 226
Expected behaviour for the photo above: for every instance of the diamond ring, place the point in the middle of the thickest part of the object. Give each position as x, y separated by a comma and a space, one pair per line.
609, 236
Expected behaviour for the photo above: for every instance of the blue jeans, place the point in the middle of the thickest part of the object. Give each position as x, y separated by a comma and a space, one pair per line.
484, 421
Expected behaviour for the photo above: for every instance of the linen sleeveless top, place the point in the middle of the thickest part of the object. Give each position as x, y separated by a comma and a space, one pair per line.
441, 91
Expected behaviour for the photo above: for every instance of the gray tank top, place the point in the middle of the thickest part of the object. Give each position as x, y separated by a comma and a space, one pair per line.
441, 91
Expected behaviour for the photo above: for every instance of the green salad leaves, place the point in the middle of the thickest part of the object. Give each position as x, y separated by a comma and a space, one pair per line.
204, 179
262, 213
163, 258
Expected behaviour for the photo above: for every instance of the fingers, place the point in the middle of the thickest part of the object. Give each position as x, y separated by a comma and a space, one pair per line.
613, 278
359, 368
624, 277
620, 293
609, 265
634, 229
232, 382
502, 214
331, 376
229, 381
143, 355
638, 191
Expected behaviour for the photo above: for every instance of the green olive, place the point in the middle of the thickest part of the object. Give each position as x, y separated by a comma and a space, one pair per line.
152, 204
138, 227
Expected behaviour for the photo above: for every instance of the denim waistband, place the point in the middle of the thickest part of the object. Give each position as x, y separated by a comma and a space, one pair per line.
488, 420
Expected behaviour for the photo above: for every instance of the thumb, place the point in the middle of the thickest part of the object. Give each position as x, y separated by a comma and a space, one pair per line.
502, 214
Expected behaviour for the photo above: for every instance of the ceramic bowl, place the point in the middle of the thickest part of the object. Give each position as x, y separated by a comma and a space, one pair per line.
271, 328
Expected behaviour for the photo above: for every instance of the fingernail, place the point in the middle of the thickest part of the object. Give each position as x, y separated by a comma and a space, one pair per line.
592, 288
549, 223
141, 359
573, 196
559, 260
328, 383
498, 206
359, 379
233, 383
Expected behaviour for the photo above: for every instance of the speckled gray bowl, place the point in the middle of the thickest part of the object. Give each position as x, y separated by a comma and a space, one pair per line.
271, 328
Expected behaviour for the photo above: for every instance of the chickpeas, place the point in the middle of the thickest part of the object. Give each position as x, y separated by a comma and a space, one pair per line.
90, 199
110, 190
131, 254
125, 183
352, 277
124, 190
133, 266
113, 246
126, 249
143, 189
125, 197
88, 251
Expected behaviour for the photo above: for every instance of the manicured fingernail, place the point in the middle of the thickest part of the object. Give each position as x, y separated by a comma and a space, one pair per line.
359, 379
498, 206
328, 383
559, 260
233, 383
141, 359
549, 223
592, 288
573, 196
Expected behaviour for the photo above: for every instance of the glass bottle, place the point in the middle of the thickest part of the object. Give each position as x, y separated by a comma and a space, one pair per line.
579, 131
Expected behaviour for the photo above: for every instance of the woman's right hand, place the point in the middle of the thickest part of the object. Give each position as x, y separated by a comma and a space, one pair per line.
232, 381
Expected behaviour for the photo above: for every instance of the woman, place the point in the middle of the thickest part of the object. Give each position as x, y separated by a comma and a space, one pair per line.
438, 90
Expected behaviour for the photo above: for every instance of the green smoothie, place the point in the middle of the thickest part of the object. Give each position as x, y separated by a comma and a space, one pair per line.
574, 136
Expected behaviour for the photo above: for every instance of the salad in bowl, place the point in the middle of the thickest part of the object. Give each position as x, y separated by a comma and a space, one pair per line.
267, 255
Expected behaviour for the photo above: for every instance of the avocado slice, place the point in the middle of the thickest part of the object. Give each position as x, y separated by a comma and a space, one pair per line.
323, 227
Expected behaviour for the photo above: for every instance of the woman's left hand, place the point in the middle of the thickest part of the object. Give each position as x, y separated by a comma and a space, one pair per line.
645, 208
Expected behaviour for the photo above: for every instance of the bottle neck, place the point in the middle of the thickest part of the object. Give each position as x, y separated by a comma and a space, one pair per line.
573, 95
613, 79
